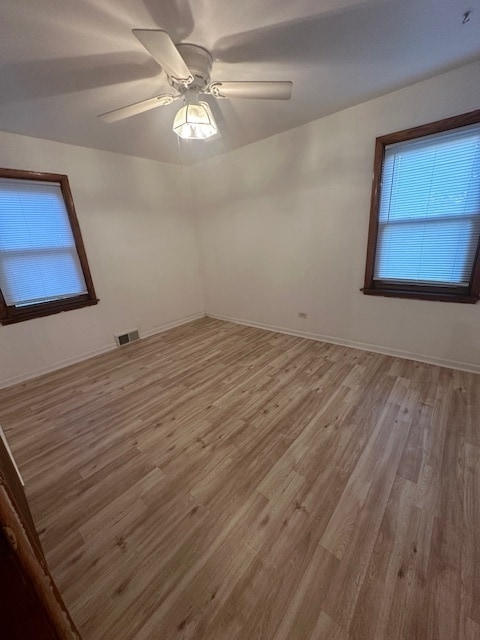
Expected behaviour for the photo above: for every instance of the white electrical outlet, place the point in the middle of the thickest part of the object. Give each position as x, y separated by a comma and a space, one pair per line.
302, 314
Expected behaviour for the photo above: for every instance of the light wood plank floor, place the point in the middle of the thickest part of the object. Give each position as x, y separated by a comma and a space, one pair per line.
223, 482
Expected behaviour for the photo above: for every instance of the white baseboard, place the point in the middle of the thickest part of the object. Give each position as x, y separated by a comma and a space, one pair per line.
443, 362
35, 373
173, 324
470, 367
8, 382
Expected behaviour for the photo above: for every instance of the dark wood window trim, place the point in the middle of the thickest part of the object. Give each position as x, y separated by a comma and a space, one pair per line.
12, 314
470, 294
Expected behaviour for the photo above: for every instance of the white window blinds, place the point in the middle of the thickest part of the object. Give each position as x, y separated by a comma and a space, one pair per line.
38, 257
429, 215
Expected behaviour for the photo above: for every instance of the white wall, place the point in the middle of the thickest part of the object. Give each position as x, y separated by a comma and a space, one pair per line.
282, 228
140, 241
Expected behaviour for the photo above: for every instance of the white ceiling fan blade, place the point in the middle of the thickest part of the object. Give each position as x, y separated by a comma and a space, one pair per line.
275, 90
162, 48
137, 107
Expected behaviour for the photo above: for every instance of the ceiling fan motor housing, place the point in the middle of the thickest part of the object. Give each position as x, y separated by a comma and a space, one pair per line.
199, 61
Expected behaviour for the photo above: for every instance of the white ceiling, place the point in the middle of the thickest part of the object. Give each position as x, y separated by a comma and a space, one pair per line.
62, 62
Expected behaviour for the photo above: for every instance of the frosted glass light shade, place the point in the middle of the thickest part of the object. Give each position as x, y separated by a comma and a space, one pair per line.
195, 122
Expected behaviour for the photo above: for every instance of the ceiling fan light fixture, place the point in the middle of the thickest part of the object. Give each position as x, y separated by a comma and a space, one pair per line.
195, 121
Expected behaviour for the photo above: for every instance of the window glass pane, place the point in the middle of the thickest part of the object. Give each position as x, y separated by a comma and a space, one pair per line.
38, 258
429, 214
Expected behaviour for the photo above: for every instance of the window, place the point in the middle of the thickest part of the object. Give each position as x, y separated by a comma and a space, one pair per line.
43, 265
425, 213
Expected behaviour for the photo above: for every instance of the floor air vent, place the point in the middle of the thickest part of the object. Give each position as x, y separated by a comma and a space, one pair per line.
126, 338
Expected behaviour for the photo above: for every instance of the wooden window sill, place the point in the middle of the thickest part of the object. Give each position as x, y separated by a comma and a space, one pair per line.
421, 295
14, 315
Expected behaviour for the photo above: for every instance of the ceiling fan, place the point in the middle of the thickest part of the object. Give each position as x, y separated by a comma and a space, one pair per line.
188, 68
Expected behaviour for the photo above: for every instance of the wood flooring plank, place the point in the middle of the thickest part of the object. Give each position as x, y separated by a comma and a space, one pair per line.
470, 570
327, 628
301, 615
405, 618
366, 473
373, 608
356, 538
